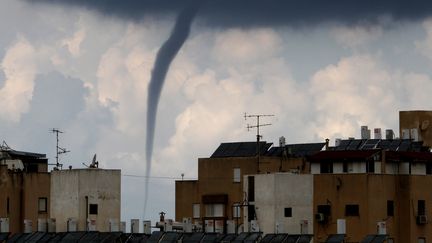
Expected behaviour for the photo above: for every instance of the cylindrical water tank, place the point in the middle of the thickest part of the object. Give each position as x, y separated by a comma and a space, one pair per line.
135, 226
42, 225
28, 226
147, 227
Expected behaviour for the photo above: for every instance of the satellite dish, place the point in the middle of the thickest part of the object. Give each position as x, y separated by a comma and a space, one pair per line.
95, 163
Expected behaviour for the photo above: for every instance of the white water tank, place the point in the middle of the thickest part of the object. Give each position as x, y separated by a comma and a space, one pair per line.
377, 133
123, 226
209, 225
389, 134
42, 225
414, 134
254, 227
187, 225
405, 134
4, 225
341, 226
231, 225
91, 225
28, 226
282, 141
134, 226
113, 225
72, 225
382, 228
147, 227
338, 142
169, 225
51, 225
279, 228
365, 132
304, 227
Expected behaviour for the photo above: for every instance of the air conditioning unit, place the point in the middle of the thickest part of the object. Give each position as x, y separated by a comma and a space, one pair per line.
421, 219
320, 217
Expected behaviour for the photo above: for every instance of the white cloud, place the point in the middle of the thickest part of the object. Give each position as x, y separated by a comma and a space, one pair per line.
73, 43
345, 98
19, 68
236, 45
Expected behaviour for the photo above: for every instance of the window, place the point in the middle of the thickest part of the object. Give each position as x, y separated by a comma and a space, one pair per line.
196, 210
7, 206
288, 212
214, 210
390, 208
324, 209
32, 167
42, 205
326, 167
370, 166
251, 188
352, 210
236, 210
236, 177
93, 209
251, 212
421, 207
345, 167
421, 240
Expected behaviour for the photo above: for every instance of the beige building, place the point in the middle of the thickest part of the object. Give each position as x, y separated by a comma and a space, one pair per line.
24, 189
33, 199
217, 197
86, 199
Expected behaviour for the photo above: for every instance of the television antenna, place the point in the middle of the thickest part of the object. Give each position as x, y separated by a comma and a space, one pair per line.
59, 150
258, 136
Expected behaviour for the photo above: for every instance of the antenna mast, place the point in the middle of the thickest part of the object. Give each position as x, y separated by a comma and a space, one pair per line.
258, 136
59, 150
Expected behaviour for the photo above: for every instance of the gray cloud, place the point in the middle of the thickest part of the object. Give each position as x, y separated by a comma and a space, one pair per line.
247, 13
2, 78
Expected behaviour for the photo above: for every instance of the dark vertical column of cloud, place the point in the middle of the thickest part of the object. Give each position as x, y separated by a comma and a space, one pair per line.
164, 57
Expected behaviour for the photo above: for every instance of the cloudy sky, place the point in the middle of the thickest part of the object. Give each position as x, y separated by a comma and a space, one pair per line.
85, 68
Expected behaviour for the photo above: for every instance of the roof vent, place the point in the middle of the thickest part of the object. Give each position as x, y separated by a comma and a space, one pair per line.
282, 142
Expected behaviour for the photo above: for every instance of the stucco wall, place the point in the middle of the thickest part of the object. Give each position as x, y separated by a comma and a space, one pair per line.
274, 193
69, 189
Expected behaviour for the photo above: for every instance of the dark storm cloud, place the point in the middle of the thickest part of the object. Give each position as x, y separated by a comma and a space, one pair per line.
264, 12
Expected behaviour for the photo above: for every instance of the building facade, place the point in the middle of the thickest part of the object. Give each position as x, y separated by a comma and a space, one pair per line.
86, 199
33, 199
217, 199
24, 190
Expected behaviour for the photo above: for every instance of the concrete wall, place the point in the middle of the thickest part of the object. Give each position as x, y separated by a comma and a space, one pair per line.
276, 192
72, 189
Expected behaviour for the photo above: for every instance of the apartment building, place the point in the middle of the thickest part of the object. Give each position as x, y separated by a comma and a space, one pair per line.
217, 199
366, 190
33, 199
24, 189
